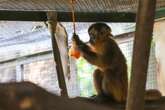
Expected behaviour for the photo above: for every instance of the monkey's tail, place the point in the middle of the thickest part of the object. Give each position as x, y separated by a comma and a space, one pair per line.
152, 94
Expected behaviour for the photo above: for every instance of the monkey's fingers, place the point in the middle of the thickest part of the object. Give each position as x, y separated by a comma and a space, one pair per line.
75, 39
75, 36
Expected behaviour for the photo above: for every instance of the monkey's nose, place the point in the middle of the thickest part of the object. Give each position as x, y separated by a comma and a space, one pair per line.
92, 41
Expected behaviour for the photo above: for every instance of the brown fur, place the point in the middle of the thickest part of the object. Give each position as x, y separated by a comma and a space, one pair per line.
110, 77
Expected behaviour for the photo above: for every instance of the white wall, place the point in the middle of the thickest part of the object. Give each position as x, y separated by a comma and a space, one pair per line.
159, 37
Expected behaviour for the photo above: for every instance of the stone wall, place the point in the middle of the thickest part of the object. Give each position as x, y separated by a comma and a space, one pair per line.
40, 71
33, 61
44, 74
7, 73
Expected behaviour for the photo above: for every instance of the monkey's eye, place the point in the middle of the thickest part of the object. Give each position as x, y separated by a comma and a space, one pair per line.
93, 37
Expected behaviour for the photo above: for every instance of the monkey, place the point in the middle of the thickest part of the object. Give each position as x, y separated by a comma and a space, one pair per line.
110, 76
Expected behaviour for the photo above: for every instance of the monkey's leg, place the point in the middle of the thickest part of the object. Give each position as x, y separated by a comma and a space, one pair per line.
97, 77
113, 87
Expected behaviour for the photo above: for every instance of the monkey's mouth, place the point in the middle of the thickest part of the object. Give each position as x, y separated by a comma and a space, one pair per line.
92, 42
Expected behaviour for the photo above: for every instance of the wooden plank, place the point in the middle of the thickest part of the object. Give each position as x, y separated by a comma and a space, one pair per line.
66, 16
13, 95
52, 23
62, 40
142, 42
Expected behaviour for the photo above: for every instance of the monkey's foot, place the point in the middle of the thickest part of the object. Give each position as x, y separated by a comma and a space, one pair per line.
100, 98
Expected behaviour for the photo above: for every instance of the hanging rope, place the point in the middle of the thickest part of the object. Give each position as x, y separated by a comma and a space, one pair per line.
73, 2
72, 51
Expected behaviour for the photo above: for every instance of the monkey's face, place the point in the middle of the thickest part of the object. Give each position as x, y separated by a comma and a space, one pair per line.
98, 35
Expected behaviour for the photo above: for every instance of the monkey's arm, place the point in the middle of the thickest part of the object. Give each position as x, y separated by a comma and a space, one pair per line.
89, 55
85, 50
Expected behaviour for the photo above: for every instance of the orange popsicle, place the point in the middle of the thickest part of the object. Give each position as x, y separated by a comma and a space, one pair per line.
74, 53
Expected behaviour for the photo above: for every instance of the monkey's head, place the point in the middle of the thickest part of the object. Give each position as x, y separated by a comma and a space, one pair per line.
98, 32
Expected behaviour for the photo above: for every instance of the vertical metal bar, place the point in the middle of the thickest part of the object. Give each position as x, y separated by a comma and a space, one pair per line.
143, 37
52, 22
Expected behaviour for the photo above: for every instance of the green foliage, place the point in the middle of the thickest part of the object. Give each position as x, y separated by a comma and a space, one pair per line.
85, 73
129, 68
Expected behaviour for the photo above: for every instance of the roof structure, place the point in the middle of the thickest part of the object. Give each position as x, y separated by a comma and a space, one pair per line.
63, 5
13, 33
100, 6
86, 10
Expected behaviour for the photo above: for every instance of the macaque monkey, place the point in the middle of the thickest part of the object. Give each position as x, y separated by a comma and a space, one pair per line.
110, 77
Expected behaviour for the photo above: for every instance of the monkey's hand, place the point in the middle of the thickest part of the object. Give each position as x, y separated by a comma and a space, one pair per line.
76, 40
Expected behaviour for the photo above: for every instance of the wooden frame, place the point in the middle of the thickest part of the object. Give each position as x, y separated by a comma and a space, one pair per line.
141, 50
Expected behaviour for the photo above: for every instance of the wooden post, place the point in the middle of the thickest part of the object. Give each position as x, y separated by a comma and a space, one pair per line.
52, 20
143, 37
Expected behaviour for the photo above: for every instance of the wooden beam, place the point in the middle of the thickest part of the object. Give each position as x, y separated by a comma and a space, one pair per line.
80, 16
14, 58
52, 23
142, 42
66, 16
40, 98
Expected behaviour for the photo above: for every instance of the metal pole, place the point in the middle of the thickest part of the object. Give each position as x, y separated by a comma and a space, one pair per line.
142, 42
